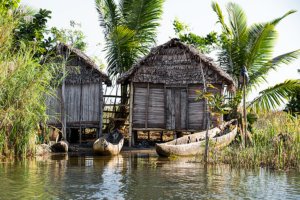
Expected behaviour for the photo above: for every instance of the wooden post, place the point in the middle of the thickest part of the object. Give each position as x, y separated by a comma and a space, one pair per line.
187, 107
207, 116
100, 110
63, 109
147, 106
130, 115
80, 112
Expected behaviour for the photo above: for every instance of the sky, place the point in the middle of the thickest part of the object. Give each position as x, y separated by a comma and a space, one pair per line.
197, 14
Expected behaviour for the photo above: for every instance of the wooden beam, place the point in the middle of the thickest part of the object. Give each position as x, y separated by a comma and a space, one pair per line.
187, 107
147, 106
63, 109
100, 110
80, 112
131, 142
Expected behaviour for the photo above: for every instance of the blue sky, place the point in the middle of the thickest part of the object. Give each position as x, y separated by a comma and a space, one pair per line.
196, 13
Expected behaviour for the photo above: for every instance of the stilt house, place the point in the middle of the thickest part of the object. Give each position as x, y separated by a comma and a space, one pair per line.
78, 101
163, 89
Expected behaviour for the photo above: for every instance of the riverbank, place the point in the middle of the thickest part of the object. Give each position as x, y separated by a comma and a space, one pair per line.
275, 145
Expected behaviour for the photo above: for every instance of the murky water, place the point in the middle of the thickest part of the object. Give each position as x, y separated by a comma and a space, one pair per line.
140, 176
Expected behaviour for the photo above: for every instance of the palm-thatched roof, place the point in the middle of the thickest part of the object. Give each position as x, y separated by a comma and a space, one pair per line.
61, 47
177, 53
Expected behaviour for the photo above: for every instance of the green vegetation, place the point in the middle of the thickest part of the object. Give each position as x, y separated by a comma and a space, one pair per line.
129, 30
276, 144
24, 83
252, 46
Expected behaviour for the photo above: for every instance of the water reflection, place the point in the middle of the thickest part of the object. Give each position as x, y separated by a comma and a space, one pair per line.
139, 176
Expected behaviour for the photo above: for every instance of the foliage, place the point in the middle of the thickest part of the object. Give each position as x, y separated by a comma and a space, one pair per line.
273, 96
205, 44
216, 104
31, 30
252, 47
24, 83
6, 5
293, 105
276, 144
129, 28
73, 36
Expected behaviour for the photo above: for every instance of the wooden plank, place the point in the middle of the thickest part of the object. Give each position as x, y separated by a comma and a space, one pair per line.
156, 113
100, 109
139, 106
195, 108
172, 105
80, 112
177, 108
169, 108
147, 106
183, 108
130, 115
187, 107
63, 110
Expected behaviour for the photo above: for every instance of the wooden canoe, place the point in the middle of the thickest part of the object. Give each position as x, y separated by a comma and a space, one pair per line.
109, 145
194, 144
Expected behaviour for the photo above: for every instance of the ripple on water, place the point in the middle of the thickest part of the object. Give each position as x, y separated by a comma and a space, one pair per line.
139, 176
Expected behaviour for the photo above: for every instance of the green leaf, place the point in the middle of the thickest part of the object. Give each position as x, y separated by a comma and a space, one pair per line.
273, 97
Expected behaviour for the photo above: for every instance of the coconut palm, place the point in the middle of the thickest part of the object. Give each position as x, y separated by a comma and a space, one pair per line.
252, 47
129, 30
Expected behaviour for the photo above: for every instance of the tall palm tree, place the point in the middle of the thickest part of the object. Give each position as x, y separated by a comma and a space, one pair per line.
129, 30
252, 47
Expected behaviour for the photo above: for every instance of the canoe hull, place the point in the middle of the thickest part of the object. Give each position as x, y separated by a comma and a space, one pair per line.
194, 144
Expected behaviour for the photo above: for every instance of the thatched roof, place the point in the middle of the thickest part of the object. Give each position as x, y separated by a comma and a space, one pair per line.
190, 55
83, 57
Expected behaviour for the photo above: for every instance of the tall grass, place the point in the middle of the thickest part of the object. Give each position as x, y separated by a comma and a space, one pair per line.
276, 144
23, 85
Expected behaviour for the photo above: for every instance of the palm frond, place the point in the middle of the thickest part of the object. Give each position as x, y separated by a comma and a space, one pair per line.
286, 58
143, 17
277, 20
109, 15
273, 97
261, 44
238, 23
216, 8
259, 75
121, 50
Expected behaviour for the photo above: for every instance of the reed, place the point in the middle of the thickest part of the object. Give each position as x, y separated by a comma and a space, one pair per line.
24, 83
276, 144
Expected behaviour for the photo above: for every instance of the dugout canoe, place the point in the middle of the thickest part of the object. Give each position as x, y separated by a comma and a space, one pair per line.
110, 144
194, 144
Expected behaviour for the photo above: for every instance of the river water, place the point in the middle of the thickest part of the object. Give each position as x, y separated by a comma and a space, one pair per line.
140, 176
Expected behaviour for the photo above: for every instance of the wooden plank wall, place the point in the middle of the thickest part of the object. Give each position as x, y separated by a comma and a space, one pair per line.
139, 105
195, 109
156, 107
53, 107
171, 108
176, 108
72, 103
90, 102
